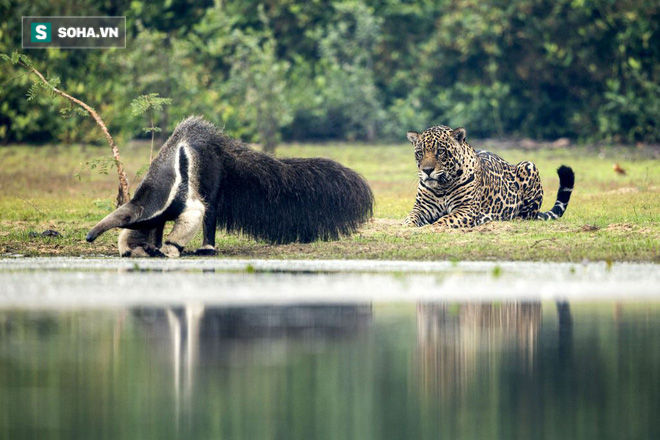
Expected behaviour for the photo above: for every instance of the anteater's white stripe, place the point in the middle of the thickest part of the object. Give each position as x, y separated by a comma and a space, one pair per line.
177, 180
190, 220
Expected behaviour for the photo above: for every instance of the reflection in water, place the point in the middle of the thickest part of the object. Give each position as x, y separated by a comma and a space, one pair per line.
184, 328
217, 333
455, 340
565, 330
469, 370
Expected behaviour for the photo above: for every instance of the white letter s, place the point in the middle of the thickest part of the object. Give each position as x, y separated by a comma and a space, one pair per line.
41, 32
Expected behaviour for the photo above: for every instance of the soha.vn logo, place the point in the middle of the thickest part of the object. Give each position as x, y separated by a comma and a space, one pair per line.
43, 32
40, 33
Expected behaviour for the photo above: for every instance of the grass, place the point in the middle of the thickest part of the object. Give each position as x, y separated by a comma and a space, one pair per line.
610, 217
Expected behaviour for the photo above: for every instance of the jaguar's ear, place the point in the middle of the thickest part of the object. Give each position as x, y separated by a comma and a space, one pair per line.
460, 134
412, 136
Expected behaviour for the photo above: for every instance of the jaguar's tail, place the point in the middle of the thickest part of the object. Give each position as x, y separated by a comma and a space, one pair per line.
566, 182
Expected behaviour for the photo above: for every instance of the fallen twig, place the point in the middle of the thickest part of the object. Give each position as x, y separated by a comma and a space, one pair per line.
33, 205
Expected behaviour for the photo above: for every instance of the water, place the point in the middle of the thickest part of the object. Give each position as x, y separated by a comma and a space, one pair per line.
96, 353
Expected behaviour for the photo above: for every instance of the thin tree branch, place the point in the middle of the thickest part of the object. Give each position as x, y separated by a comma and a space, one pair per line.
153, 136
32, 205
12, 79
123, 195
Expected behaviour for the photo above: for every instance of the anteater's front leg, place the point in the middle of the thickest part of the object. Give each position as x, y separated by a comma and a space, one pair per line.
185, 228
141, 242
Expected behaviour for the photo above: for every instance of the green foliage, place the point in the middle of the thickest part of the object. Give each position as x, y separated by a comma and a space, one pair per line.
145, 103
354, 69
631, 109
101, 164
257, 79
17, 58
149, 103
348, 82
39, 87
40, 114
69, 112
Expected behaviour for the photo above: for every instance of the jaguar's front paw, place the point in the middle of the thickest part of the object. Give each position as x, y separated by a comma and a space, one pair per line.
206, 251
410, 221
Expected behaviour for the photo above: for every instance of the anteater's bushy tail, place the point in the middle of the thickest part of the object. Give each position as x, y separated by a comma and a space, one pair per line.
566, 183
288, 200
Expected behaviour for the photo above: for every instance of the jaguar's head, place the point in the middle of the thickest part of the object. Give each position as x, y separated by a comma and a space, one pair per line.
439, 152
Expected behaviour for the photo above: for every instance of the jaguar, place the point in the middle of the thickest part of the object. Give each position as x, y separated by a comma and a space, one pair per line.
460, 187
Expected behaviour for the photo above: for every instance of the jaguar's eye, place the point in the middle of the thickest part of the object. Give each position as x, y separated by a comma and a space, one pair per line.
418, 155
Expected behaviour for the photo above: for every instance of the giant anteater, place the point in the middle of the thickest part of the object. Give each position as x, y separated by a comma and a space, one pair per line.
201, 176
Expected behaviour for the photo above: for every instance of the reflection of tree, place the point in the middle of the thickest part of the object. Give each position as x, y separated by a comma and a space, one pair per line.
455, 341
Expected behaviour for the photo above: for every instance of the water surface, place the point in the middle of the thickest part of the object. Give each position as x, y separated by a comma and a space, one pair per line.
122, 357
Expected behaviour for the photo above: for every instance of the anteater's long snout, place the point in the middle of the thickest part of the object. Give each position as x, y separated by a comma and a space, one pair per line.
120, 218
94, 233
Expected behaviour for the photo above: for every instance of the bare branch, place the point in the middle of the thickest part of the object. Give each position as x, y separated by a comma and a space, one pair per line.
32, 205
122, 195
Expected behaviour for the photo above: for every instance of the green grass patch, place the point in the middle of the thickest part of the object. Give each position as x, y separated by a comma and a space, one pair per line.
611, 217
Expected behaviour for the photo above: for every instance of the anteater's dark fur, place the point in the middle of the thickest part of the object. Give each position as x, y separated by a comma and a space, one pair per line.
277, 200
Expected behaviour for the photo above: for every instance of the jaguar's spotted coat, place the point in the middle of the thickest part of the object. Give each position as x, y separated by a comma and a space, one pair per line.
463, 187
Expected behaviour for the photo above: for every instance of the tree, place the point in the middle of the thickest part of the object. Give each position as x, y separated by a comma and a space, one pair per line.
348, 81
50, 85
258, 79
149, 103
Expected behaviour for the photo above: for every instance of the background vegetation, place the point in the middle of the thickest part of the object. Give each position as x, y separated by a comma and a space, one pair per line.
352, 69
